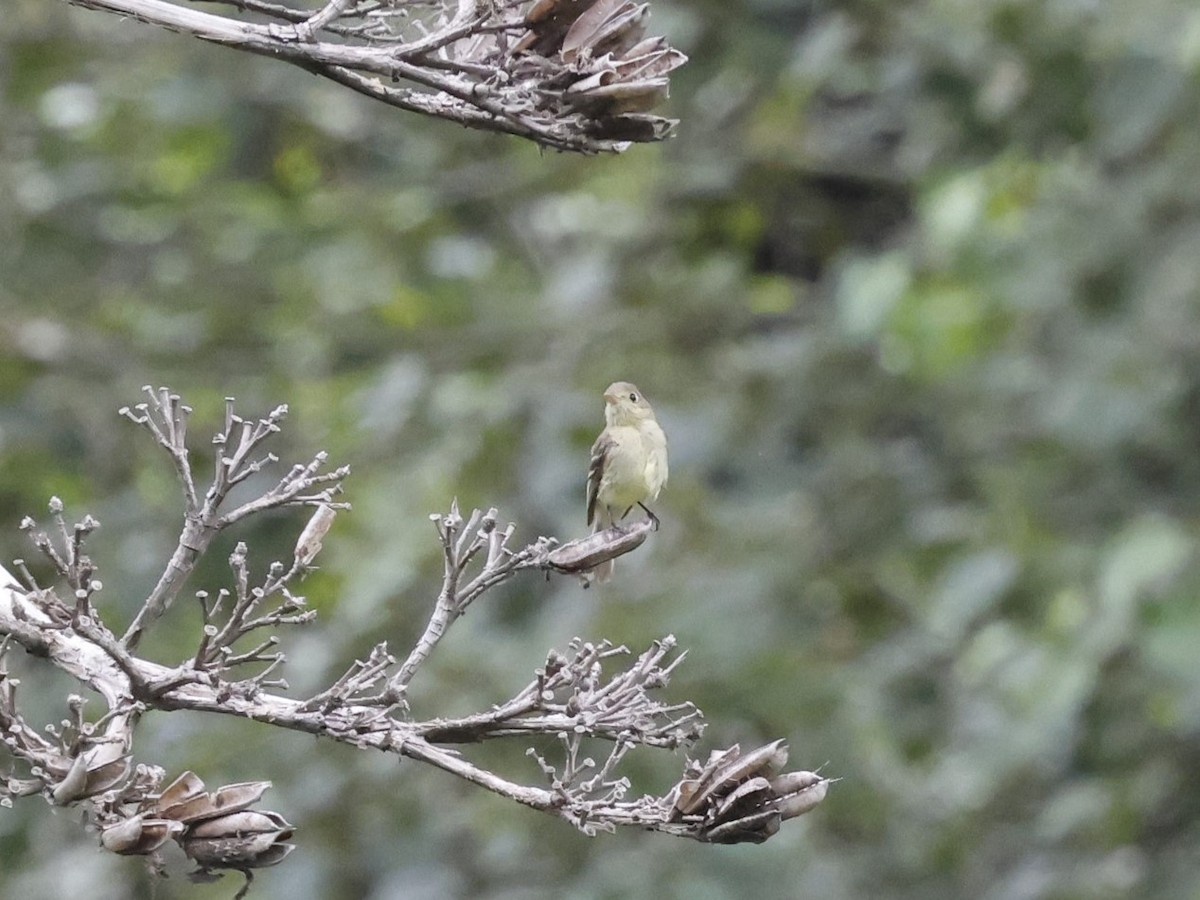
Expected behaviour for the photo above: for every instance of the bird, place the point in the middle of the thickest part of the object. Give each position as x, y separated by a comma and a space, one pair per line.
628, 465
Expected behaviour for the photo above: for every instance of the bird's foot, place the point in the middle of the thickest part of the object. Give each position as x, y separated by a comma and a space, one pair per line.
653, 517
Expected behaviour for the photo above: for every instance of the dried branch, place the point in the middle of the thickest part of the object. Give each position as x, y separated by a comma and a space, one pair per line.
575, 75
165, 417
592, 696
568, 696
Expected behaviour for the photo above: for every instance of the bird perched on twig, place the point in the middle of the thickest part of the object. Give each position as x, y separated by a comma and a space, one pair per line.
628, 465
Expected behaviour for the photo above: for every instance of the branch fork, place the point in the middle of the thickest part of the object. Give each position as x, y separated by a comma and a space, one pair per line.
598, 701
571, 75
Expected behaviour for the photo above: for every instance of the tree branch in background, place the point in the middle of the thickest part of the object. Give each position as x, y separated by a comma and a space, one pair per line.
575, 75
599, 701
165, 417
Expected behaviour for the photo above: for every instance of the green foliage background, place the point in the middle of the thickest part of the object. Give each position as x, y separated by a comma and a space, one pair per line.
914, 292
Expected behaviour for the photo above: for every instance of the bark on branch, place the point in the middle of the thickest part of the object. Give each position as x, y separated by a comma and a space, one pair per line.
572, 75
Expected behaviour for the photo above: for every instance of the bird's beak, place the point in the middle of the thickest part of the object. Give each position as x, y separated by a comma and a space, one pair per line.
610, 399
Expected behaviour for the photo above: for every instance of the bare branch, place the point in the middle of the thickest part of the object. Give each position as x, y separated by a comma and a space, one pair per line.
460, 544
598, 701
236, 444
568, 696
572, 75
165, 417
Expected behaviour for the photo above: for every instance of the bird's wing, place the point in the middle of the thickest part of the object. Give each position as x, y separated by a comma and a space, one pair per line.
600, 450
656, 458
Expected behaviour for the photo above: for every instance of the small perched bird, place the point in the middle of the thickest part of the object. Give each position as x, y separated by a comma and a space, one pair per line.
628, 464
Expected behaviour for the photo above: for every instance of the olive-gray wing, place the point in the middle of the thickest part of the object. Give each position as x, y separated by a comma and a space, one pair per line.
600, 450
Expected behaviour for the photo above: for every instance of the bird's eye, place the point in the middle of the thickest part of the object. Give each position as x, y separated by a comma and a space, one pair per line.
633, 398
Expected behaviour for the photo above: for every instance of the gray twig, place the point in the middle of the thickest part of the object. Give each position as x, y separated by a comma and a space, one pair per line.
236, 445
576, 75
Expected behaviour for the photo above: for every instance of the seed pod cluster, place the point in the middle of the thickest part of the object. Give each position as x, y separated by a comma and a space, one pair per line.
607, 69
94, 771
218, 830
740, 797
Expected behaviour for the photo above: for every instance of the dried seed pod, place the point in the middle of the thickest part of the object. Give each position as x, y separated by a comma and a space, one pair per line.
186, 785
766, 760
73, 784
243, 822
650, 58
549, 21
601, 94
635, 127
107, 776
792, 782
799, 792
692, 793
610, 26
751, 829
744, 799
138, 835
308, 545
586, 553
92, 772
248, 839
185, 800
